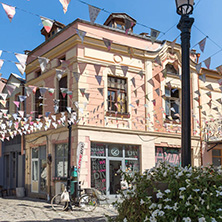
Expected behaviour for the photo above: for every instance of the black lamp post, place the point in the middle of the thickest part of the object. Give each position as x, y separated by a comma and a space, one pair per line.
185, 8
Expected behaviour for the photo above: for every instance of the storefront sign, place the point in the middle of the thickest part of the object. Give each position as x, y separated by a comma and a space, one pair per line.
80, 149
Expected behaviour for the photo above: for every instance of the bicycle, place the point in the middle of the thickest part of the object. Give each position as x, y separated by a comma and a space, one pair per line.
87, 201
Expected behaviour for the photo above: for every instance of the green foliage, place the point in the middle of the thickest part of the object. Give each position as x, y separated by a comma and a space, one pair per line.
171, 193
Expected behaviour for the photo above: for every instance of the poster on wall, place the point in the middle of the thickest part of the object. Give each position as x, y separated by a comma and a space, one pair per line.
80, 149
168, 155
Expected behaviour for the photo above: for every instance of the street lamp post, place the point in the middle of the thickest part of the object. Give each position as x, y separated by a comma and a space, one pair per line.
185, 8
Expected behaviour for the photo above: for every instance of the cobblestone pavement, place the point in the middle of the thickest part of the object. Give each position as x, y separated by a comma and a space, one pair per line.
26, 209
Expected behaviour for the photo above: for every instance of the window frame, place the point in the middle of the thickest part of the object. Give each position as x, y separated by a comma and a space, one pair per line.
215, 156
172, 100
117, 91
38, 109
63, 101
172, 68
61, 158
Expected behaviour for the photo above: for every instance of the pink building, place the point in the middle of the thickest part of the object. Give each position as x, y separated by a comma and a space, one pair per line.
125, 91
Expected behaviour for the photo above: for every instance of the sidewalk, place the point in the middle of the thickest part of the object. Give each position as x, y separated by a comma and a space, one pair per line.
27, 209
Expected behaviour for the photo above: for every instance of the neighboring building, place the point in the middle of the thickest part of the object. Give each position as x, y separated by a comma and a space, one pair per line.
126, 94
12, 156
2, 84
211, 103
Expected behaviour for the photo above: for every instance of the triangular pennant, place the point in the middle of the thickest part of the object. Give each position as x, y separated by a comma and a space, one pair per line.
158, 60
147, 97
87, 96
128, 25
33, 88
3, 102
4, 95
150, 81
43, 90
22, 98
77, 76
219, 81
16, 103
137, 102
20, 67
196, 98
22, 58
207, 62
219, 69
219, 101
93, 13
65, 4
112, 69
172, 44
97, 68
210, 103
107, 43
43, 63
69, 109
21, 113
135, 92
202, 44
209, 86
81, 34
154, 102
1, 63
198, 67
154, 34
59, 74
209, 94
197, 92
51, 91
82, 90
100, 90
215, 108
47, 114
47, 24
143, 87
99, 79
82, 67
157, 77
9, 10
203, 78
64, 64
134, 82
157, 91
15, 84
124, 69
10, 89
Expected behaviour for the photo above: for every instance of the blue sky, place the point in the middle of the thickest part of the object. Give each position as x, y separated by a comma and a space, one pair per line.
23, 33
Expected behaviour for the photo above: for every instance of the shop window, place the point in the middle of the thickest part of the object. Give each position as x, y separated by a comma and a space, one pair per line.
168, 155
107, 161
98, 149
171, 70
117, 95
216, 157
172, 103
61, 160
38, 104
62, 98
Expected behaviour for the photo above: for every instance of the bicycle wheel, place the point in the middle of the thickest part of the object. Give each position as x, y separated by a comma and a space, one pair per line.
87, 202
57, 204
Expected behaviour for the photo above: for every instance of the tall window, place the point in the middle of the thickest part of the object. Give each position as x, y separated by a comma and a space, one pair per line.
38, 104
172, 103
62, 97
216, 157
117, 95
61, 160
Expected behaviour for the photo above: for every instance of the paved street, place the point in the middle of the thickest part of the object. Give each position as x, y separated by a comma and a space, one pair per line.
26, 209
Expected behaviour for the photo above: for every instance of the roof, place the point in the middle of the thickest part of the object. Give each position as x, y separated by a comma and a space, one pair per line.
119, 16
96, 25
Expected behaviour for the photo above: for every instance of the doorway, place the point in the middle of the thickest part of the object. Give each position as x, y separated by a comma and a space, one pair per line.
114, 175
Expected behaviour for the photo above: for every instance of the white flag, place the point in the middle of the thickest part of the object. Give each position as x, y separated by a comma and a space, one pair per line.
43, 63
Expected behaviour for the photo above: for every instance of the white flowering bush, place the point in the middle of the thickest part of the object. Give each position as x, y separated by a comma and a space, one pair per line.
171, 193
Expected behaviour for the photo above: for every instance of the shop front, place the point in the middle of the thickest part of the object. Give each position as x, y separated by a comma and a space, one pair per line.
107, 161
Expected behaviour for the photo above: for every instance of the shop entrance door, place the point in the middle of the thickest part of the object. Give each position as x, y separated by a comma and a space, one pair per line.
114, 176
